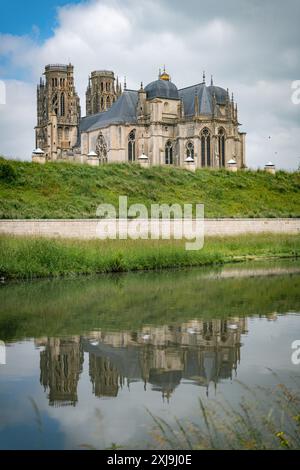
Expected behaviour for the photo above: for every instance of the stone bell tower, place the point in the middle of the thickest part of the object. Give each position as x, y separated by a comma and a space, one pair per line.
102, 91
58, 112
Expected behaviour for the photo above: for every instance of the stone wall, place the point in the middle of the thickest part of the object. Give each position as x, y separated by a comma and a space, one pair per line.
87, 228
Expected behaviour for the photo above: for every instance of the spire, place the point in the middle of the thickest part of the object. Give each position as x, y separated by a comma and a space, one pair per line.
232, 97
214, 104
125, 84
159, 73
227, 95
203, 76
211, 81
196, 103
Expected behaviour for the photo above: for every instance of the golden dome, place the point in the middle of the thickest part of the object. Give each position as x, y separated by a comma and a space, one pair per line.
165, 76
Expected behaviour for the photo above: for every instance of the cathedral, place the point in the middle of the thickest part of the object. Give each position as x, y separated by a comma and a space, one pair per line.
159, 124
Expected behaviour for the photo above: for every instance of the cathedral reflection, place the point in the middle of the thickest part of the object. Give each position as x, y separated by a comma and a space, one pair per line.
61, 364
203, 352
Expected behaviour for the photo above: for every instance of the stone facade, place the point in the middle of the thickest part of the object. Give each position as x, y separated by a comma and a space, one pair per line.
58, 113
193, 127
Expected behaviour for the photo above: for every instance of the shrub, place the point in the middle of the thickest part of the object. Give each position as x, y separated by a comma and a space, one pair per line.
7, 171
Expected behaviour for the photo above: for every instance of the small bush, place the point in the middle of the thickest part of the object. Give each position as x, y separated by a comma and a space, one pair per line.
7, 171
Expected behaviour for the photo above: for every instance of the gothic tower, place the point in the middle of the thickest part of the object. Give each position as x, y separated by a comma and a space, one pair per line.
102, 91
58, 112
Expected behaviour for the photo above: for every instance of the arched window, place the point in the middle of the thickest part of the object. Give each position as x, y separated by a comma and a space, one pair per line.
102, 104
62, 104
102, 86
221, 147
131, 146
190, 150
169, 153
59, 134
205, 148
107, 102
101, 148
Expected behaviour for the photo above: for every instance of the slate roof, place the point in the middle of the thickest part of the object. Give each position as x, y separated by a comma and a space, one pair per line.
162, 89
220, 94
204, 99
124, 110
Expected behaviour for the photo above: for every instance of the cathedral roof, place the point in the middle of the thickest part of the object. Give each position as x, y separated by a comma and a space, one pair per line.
162, 88
204, 99
220, 94
123, 110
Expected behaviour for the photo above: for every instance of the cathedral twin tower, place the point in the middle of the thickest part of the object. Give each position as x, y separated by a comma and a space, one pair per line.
58, 107
102, 91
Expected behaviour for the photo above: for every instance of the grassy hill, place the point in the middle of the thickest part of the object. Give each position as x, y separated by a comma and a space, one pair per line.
63, 190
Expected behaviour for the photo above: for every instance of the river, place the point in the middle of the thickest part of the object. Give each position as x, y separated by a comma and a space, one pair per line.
90, 362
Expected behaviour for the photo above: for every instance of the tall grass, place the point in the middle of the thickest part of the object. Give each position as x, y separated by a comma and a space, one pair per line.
28, 258
268, 419
65, 190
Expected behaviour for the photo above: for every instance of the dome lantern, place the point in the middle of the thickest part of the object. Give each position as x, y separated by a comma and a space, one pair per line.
164, 76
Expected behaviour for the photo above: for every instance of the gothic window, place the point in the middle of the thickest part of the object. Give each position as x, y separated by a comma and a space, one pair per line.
190, 150
205, 148
62, 104
107, 103
169, 153
102, 103
107, 86
101, 148
131, 146
102, 86
221, 147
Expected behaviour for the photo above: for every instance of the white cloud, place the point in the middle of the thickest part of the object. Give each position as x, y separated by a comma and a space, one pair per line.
135, 39
17, 120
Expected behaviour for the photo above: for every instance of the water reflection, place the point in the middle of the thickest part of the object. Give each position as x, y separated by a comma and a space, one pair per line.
161, 357
94, 354
61, 365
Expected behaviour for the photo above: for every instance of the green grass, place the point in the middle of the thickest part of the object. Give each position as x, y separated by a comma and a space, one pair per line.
27, 258
64, 190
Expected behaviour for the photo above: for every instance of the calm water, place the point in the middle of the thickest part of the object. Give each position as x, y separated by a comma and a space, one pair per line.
86, 358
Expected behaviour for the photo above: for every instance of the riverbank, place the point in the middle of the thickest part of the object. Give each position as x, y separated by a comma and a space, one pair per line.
28, 258
73, 191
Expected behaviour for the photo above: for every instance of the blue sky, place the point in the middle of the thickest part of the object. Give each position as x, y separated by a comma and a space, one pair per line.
21, 17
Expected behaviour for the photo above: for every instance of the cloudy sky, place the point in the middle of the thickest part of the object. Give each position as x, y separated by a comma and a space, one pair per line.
249, 46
